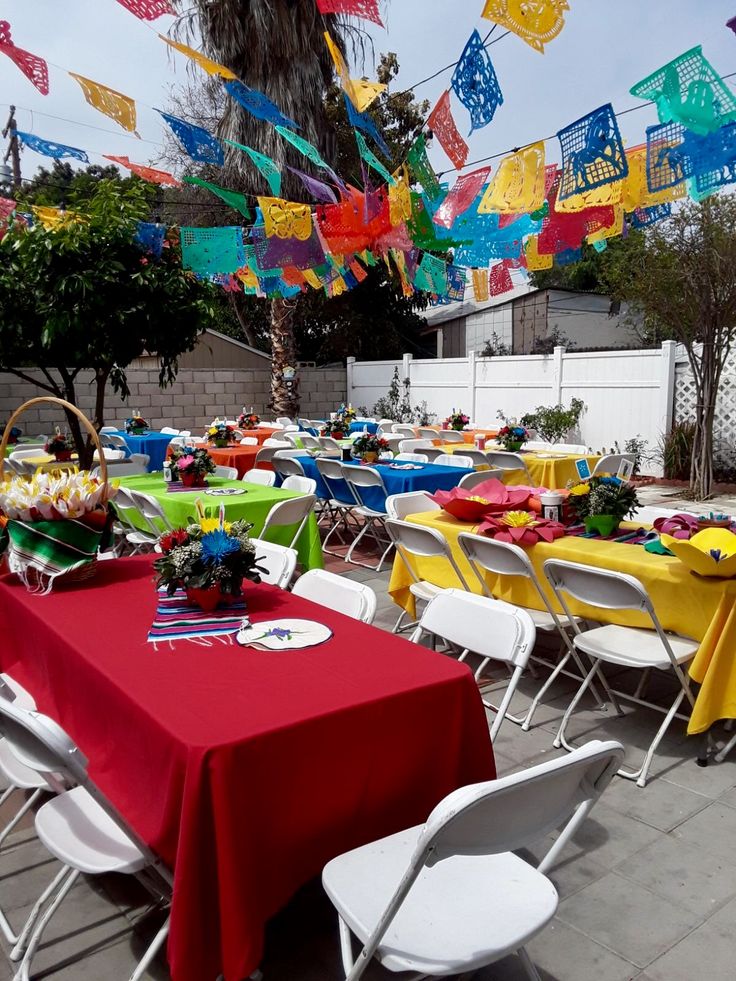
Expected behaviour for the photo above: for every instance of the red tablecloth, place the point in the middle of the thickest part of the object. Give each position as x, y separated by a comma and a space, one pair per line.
245, 770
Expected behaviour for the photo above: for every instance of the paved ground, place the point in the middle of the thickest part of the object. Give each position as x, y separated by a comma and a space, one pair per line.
647, 888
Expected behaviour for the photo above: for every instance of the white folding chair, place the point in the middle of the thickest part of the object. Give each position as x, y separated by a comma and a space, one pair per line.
454, 460
425, 543
354, 599
489, 628
284, 421
401, 430
503, 559
111, 441
412, 445
501, 460
329, 444
471, 480
282, 444
169, 431
570, 448
629, 647
611, 463
450, 896
394, 442
294, 511
451, 436
266, 478
299, 484
186, 433
426, 433
537, 444
413, 502
287, 466
477, 457
226, 473
360, 480
128, 505
79, 827
310, 442
339, 505
249, 441
411, 458
278, 562
152, 512
108, 429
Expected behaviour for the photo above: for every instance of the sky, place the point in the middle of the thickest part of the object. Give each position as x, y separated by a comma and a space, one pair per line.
605, 47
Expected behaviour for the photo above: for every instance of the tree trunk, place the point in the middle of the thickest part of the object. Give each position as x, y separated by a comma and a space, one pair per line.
235, 306
701, 471
284, 397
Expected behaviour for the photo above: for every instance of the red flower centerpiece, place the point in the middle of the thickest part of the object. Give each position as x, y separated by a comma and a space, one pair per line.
521, 528
490, 497
248, 420
60, 446
192, 464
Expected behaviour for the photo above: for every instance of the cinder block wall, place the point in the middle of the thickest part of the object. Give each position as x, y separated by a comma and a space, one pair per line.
195, 398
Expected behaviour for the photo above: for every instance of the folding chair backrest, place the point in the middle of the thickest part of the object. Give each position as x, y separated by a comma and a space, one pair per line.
328, 443
113, 441
310, 442
293, 511
359, 478
266, 478
411, 445
284, 421
299, 484
288, 466
411, 539
477, 457
611, 463
451, 436
249, 441
353, 599
277, 444
278, 561
454, 460
537, 444
169, 431
411, 458
427, 433
413, 502
480, 624
331, 473
598, 587
150, 508
402, 430
471, 480
569, 448
394, 442
502, 558
226, 473
505, 461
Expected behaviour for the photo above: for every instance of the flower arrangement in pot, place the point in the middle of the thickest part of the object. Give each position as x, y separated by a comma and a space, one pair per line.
60, 446
456, 420
136, 425
602, 503
221, 434
248, 420
209, 560
369, 447
346, 415
336, 428
191, 465
512, 437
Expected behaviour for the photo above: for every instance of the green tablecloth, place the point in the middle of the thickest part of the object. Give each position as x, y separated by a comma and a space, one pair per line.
254, 505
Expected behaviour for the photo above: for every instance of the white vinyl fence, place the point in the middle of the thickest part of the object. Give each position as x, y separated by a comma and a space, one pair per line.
626, 393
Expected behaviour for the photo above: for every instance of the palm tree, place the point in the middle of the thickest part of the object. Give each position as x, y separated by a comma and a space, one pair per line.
278, 48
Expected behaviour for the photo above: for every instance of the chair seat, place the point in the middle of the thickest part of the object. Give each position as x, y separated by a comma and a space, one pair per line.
79, 833
462, 913
633, 647
335, 502
18, 773
424, 590
365, 512
23, 698
140, 538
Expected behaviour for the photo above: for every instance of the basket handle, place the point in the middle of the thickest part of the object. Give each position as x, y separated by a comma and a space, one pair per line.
70, 408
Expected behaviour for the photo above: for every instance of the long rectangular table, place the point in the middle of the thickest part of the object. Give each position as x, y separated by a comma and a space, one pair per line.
253, 504
704, 609
153, 443
550, 470
245, 770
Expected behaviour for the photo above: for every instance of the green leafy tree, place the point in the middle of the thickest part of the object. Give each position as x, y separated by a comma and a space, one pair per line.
63, 185
682, 275
84, 296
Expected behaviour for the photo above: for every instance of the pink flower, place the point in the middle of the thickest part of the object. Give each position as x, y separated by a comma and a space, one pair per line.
184, 461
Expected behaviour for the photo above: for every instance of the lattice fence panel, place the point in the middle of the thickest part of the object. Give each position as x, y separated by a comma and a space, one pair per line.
724, 429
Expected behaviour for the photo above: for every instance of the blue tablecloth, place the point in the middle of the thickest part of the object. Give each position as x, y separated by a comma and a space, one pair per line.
428, 478
153, 444
359, 427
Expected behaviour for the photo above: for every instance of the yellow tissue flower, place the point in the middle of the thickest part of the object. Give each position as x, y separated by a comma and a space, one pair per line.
579, 489
212, 524
518, 519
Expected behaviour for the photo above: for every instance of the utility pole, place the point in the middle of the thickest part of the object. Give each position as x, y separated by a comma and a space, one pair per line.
13, 152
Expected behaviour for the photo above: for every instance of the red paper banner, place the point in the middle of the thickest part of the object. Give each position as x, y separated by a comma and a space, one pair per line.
500, 279
443, 126
162, 177
461, 196
34, 68
368, 9
7, 207
147, 9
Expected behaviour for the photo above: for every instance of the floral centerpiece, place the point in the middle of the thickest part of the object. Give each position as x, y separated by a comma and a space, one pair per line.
190, 465
221, 434
456, 420
136, 424
512, 437
521, 528
61, 445
15, 434
336, 428
209, 560
369, 447
346, 414
602, 503
248, 420
487, 498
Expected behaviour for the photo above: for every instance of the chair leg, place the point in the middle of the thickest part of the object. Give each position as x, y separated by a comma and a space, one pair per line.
23, 972
641, 774
153, 949
723, 753
560, 737
10, 935
531, 972
22, 940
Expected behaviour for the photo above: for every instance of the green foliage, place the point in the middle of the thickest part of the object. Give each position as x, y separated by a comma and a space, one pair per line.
604, 495
396, 404
495, 348
637, 446
84, 296
553, 422
676, 448
63, 185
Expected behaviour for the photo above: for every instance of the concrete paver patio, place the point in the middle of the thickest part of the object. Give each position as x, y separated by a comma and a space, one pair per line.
647, 888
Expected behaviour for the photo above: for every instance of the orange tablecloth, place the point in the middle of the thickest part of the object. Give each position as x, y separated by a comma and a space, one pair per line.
262, 433
243, 458
467, 434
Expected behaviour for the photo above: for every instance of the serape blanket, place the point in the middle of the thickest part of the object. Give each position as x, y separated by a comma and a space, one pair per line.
177, 619
40, 551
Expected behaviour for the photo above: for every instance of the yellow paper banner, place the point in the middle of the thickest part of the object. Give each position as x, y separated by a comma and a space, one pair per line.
480, 284
114, 104
286, 219
211, 67
399, 196
636, 193
360, 91
534, 260
536, 23
518, 184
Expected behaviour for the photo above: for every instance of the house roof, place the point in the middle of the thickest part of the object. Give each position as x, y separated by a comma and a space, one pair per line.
237, 343
452, 311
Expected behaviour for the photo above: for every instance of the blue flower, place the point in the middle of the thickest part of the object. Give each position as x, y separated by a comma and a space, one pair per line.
717, 554
615, 481
217, 545
282, 633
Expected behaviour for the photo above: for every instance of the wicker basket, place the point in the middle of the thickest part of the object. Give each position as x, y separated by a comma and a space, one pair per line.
86, 570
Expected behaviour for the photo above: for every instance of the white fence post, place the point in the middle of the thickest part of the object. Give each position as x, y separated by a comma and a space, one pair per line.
406, 367
349, 378
666, 407
558, 366
471, 385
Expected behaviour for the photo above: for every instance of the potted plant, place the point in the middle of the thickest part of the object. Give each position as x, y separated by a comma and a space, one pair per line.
335, 428
220, 434
136, 425
248, 420
209, 560
60, 446
191, 464
369, 447
512, 437
602, 503
456, 420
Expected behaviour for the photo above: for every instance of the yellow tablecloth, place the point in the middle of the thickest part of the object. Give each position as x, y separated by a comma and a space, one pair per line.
704, 609
551, 472
45, 461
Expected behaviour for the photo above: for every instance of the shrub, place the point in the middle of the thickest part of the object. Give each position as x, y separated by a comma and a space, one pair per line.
676, 448
553, 422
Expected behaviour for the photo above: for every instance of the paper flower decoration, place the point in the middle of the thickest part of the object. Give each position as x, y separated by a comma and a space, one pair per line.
490, 497
682, 526
521, 528
711, 552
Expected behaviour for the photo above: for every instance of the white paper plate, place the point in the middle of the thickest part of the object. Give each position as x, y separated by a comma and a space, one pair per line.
283, 635
225, 491
551, 456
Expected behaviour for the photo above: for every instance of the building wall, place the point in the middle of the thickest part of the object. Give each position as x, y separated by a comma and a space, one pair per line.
530, 321
481, 326
584, 320
195, 398
214, 350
